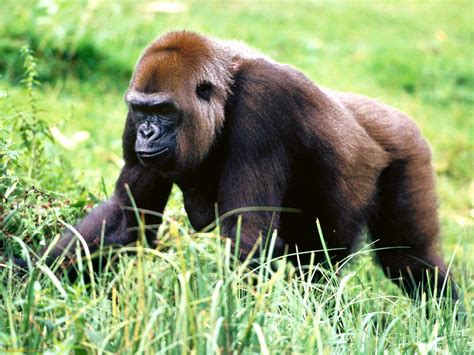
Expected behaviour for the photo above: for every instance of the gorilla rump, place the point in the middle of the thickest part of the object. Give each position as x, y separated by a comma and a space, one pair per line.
233, 128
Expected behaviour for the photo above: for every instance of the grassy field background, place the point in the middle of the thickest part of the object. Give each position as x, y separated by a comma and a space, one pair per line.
61, 117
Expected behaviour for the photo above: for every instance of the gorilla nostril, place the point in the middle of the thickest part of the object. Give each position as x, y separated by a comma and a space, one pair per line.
148, 133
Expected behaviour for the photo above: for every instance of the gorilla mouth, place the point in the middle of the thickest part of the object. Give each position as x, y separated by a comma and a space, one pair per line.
153, 157
151, 154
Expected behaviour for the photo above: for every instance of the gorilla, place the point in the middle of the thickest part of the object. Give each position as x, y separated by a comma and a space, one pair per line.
234, 129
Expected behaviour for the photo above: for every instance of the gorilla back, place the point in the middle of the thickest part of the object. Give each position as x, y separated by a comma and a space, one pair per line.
233, 128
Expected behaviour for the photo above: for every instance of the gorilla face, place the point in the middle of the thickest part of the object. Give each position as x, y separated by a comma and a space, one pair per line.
157, 119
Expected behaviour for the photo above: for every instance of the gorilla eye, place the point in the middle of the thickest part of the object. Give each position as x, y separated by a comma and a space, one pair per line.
204, 90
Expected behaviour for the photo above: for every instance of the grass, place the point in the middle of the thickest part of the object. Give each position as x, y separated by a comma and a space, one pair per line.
189, 295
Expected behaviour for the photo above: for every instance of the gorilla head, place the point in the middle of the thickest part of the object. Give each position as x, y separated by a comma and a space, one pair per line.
176, 100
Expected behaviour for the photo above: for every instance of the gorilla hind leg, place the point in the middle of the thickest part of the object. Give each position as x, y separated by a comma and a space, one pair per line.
405, 226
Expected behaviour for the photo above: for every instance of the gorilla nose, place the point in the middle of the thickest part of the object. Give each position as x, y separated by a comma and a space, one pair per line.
148, 132
148, 146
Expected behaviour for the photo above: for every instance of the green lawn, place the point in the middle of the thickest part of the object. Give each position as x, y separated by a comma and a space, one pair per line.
189, 294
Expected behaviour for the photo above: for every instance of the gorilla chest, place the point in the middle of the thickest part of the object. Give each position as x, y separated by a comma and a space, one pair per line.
199, 205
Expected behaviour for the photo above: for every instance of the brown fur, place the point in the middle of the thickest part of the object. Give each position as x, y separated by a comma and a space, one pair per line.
268, 136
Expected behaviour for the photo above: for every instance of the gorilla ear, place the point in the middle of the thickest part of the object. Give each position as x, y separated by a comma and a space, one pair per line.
235, 66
